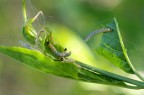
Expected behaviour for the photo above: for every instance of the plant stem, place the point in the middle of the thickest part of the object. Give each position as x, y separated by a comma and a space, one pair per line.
125, 53
135, 71
24, 10
138, 84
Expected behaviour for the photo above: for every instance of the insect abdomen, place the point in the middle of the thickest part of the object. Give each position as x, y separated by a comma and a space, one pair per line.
54, 50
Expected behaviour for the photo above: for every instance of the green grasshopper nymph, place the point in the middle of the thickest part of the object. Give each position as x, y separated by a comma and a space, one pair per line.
29, 32
46, 43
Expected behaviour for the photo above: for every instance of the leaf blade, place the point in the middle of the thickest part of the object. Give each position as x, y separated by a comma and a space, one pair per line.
112, 48
37, 60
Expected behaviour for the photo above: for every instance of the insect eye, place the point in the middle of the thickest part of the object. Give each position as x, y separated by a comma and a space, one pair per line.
47, 42
111, 29
65, 49
62, 58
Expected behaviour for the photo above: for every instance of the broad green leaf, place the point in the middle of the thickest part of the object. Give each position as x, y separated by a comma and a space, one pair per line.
112, 48
76, 70
37, 60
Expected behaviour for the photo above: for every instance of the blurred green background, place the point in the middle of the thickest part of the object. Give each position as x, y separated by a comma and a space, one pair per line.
82, 17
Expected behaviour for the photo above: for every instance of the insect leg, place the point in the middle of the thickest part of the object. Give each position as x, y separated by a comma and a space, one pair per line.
37, 37
34, 18
65, 60
25, 45
68, 60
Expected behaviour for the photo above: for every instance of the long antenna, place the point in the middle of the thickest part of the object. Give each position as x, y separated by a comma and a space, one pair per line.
24, 10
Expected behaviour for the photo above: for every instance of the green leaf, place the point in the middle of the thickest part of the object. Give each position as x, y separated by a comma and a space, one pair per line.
76, 70
112, 48
37, 60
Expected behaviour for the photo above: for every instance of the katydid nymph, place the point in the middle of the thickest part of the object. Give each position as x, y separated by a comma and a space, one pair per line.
46, 43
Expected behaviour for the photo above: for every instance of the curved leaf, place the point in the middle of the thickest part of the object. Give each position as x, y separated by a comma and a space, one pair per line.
112, 48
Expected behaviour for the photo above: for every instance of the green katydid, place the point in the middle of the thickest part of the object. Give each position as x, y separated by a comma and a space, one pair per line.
56, 51
29, 32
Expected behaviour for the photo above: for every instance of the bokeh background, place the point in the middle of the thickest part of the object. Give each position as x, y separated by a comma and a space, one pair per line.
81, 17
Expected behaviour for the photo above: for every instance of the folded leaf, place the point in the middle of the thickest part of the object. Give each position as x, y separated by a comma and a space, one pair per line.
112, 48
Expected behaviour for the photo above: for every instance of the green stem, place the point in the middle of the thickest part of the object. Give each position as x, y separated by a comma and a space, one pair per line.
24, 10
135, 71
128, 86
138, 84
125, 53
123, 86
